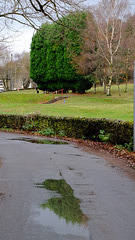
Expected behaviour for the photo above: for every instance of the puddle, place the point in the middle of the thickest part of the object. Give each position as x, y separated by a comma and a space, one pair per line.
50, 220
62, 213
40, 141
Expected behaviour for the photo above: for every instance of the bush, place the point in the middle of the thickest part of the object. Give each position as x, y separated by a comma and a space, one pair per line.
103, 136
47, 132
117, 131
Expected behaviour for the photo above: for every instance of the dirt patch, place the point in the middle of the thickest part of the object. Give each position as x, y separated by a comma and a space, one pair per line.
56, 99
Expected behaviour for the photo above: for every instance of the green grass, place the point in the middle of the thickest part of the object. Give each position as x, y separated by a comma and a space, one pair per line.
86, 105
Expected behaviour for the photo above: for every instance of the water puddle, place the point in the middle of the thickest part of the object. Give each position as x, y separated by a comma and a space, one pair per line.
62, 213
40, 141
58, 225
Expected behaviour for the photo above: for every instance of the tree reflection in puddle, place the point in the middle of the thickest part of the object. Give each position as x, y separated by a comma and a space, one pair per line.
63, 213
40, 141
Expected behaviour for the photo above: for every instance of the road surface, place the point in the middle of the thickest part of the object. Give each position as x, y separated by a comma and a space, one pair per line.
89, 199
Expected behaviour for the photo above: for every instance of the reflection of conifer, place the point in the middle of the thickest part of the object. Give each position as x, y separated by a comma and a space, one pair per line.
60, 186
67, 206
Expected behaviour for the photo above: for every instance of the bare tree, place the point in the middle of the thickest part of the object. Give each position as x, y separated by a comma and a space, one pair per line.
14, 70
34, 12
4, 59
22, 70
127, 47
109, 17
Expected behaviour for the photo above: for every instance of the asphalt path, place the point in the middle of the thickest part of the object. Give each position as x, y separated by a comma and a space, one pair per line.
106, 192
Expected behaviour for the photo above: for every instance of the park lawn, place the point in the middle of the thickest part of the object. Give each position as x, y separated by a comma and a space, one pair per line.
78, 105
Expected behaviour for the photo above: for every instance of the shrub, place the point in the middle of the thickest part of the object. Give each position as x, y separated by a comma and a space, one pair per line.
103, 136
116, 131
47, 132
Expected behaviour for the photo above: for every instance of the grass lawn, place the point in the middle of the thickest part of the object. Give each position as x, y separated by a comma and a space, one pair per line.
86, 105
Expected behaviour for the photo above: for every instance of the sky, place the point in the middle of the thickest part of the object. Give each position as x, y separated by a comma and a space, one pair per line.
23, 39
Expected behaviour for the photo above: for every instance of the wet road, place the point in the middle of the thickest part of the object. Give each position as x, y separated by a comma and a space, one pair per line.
88, 199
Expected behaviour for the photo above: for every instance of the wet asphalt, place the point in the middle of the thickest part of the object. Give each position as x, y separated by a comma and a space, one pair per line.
106, 193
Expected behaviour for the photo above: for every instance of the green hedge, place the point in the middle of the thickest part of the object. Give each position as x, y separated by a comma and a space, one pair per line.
89, 128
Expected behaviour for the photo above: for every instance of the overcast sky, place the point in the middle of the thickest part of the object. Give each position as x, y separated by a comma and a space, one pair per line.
23, 41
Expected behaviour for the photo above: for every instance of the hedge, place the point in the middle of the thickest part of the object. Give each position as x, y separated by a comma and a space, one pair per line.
89, 128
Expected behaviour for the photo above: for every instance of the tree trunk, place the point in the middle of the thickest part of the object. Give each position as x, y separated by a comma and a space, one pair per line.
126, 71
6, 84
110, 81
119, 89
95, 88
104, 84
118, 84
